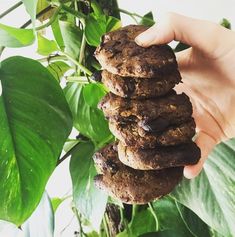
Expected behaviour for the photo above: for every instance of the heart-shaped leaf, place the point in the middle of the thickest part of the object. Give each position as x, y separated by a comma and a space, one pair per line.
46, 46
212, 194
35, 121
96, 26
14, 37
89, 200
88, 120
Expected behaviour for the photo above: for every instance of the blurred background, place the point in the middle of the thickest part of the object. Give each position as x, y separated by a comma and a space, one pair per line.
214, 10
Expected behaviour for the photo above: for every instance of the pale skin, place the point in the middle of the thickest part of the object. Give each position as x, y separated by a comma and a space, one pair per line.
208, 72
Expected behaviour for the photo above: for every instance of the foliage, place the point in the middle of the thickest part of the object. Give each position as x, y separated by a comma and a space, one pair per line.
41, 99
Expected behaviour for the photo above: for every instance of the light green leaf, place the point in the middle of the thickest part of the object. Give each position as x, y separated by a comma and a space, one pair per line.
31, 8
87, 120
41, 222
14, 37
212, 194
35, 121
46, 46
89, 200
93, 93
41, 5
55, 202
57, 34
96, 26
72, 37
58, 69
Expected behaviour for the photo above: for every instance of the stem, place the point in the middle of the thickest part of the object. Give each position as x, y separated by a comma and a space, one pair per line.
77, 14
41, 13
52, 58
79, 221
154, 215
133, 15
11, 9
52, 19
106, 225
80, 66
66, 155
80, 79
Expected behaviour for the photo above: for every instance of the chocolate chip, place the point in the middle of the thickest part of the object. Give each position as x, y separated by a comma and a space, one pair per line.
111, 166
156, 125
96, 76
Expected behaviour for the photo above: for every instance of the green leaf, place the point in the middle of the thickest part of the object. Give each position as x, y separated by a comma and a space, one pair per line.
110, 7
147, 19
58, 69
96, 26
46, 46
55, 202
212, 194
88, 120
41, 222
181, 46
35, 121
90, 201
14, 38
93, 93
174, 216
57, 34
31, 8
142, 222
72, 37
225, 23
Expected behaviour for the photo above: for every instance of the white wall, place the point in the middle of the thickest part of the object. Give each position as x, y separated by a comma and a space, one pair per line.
213, 10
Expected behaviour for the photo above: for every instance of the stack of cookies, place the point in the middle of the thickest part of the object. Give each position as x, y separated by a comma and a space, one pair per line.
153, 125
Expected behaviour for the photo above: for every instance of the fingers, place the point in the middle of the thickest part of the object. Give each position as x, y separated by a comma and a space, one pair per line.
206, 144
200, 34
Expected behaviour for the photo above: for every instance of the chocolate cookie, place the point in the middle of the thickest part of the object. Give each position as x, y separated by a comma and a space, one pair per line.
130, 134
130, 185
153, 114
159, 157
119, 54
140, 88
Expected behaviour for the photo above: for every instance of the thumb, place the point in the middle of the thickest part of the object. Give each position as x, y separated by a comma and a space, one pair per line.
206, 144
203, 35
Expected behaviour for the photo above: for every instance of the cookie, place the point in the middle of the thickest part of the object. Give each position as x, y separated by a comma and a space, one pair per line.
159, 157
129, 185
130, 134
119, 54
153, 114
140, 88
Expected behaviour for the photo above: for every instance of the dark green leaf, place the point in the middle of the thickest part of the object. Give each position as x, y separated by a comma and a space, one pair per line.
142, 222
72, 37
93, 93
31, 8
96, 26
41, 222
212, 194
87, 120
89, 201
14, 37
225, 23
175, 217
35, 121
46, 46
58, 69
147, 19
57, 34
110, 7
181, 46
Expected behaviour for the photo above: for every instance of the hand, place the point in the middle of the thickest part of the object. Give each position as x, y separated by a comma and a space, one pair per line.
208, 72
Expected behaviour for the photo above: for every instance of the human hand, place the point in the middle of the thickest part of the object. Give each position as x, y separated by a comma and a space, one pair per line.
208, 72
